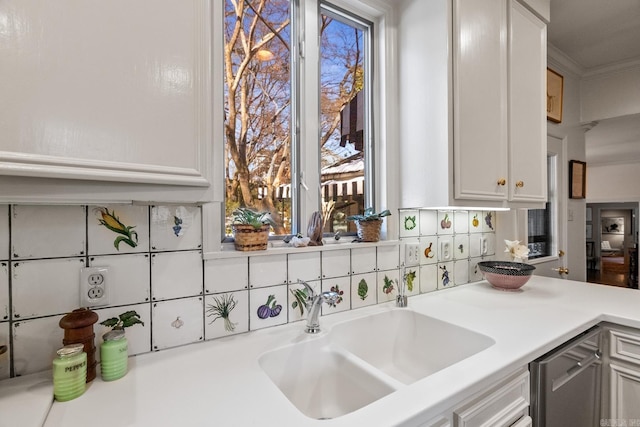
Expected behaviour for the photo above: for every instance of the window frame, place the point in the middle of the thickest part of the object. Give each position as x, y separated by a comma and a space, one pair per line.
306, 126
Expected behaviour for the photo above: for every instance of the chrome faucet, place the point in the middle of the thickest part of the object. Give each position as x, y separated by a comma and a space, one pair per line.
401, 299
313, 305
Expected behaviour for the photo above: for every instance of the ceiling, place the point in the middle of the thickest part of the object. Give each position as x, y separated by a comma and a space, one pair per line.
596, 34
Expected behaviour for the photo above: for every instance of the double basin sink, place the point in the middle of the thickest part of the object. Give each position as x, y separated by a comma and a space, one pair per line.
362, 360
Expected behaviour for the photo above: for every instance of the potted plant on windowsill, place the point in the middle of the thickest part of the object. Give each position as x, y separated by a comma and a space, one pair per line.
251, 229
368, 224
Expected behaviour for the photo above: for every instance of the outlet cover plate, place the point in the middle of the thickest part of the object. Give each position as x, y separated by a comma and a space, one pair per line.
94, 289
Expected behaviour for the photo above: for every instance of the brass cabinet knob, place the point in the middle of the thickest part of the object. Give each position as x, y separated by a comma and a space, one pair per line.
502, 181
520, 184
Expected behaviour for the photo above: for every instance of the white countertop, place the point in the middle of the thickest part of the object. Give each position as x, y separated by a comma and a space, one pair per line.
220, 382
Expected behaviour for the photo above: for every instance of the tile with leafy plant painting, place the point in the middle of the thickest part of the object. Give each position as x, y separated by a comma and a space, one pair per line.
409, 223
363, 290
226, 314
341, 286
35, 343
116, 229
297, 295
268, 306
129, 277
428, 222
445, 275
138, 335
176, 275
4, 232
176, 228
303, 266
60, 231
177, 322
54, 282
225, 275
461, 246
387, 285
336, 263
461, 272
428, 278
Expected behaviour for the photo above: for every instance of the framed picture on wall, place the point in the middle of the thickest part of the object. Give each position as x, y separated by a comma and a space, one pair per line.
555, 83
577, 179
613, 225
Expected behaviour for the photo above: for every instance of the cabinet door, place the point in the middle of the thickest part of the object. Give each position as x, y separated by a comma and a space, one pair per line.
527, 92
480, 100
110, 91
625, 390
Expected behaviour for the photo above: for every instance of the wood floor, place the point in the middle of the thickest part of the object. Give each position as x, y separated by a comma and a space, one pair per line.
610, 278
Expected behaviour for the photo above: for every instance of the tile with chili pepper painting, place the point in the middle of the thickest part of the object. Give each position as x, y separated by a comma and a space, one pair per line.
409, 223
341, 286
176, 228
387, 285
445, 222
363, 290
116, 229
226, 314
268, 306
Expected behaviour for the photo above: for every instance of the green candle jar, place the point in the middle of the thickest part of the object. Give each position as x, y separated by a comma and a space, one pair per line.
69, 372
113, 355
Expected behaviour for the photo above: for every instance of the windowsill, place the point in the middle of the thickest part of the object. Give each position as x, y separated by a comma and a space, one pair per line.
278, 247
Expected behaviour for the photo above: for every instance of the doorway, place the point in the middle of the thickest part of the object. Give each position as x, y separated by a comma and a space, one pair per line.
611, 243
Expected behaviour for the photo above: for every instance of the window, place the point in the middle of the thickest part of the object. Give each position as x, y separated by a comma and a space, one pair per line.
273, 90
542, 223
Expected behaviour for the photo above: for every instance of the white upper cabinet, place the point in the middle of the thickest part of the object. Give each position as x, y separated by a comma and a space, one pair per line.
472, 116
99, 93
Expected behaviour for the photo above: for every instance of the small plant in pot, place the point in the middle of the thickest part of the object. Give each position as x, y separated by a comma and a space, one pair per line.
368, 224
251, 229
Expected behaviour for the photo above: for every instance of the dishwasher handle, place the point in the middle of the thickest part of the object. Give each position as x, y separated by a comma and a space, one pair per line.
575, 370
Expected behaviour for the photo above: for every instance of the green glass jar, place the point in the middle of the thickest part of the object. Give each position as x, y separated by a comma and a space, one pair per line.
69, 372
113, 355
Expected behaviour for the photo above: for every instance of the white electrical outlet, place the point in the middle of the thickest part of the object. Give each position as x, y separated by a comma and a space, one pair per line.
411, 254
94, 289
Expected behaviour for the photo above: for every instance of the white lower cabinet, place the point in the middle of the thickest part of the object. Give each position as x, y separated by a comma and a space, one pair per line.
504, 404
622, 376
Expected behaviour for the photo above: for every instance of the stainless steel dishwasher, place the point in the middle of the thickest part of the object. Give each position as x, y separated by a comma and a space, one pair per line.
565, 383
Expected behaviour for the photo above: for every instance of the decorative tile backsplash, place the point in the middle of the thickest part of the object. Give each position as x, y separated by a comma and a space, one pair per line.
155, 267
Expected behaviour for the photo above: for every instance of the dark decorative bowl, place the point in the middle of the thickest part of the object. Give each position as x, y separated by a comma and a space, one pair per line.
506, 275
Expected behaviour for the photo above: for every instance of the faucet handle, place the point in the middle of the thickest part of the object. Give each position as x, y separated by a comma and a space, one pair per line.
330, 297
310, 292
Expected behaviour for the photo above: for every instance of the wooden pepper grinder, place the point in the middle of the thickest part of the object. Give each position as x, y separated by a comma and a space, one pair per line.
78, 328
